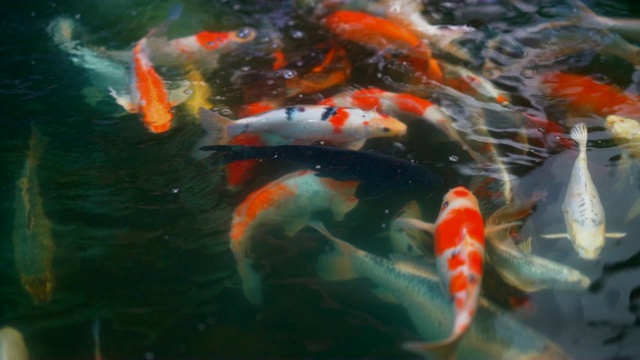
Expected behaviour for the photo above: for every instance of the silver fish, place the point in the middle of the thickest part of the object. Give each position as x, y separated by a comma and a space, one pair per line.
493, 334
408, 240
582, 208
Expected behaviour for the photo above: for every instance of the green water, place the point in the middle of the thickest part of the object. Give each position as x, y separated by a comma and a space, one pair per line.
141, 227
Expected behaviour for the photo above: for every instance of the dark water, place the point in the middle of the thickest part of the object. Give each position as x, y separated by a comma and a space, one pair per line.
140, 227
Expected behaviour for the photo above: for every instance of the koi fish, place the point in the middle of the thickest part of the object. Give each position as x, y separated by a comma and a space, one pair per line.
12, 346
628, 28
408, 14
358, 27
378, 173
103, 72
401, 104
522, 269
203, 48
587, 95
334, 70
411, 282
289, 201
526, 52
32, 230
409, 241
201, 92
466, 81
345, 127
583, 212
459, 248
626, 133
148, 94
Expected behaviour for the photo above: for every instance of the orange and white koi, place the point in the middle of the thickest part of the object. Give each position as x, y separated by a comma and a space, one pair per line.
459, 235
398, 105
589, 96
148, 94
303, 125
290, 201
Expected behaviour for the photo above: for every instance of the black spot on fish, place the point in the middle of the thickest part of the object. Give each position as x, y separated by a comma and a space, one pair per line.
289, 111
328, 112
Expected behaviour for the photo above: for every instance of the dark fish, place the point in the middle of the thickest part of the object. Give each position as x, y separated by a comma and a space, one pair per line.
378, 173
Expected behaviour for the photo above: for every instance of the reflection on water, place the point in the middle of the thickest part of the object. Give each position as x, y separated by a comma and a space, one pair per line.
140, 227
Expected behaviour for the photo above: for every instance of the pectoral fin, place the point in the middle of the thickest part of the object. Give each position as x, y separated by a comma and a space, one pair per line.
124, 101
615, 235
385, 295
555, 236
292, 226
492, 229
415, 224
355, 145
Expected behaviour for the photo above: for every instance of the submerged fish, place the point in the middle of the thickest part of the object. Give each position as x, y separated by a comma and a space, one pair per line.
585, 94
522, 269
494, 334
377, 173
302, 125
583, 212
409, 241
626, 133
12, 346
334, 70
408, 14
149, 96
459, 247
289, 201
103, 72
32, 231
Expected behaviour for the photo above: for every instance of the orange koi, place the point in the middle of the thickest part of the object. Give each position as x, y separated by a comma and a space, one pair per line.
289, 200
334, 70
148, 94
587, 95
359, 27
459, 234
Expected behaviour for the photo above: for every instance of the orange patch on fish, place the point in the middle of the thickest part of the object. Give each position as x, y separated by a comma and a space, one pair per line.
450, 230
262, 199
458, 283
154, 100
370, 30
211, 40
339, 119
279, 61
412, 104
239, 172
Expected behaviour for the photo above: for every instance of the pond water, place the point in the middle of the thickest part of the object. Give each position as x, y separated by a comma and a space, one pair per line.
141, 227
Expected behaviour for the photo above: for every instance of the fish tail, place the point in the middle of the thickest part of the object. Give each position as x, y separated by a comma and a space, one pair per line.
336, 264
579, 135
251, 281
96, 339
215, 126
444, 350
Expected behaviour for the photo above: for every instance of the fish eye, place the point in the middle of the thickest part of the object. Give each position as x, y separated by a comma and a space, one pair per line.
385, 129
444, 205
244, 33
187, 91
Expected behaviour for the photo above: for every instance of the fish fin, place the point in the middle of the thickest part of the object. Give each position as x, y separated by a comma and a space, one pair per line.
634, 211
525, 246
251, 282
180, 94
292, 226
415, 224
340, 207
494, 228
443, 350
385, 295
355, 145
216, 127
579, 134
123, 100
615, 235
95, 329
555, 236
336, 264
